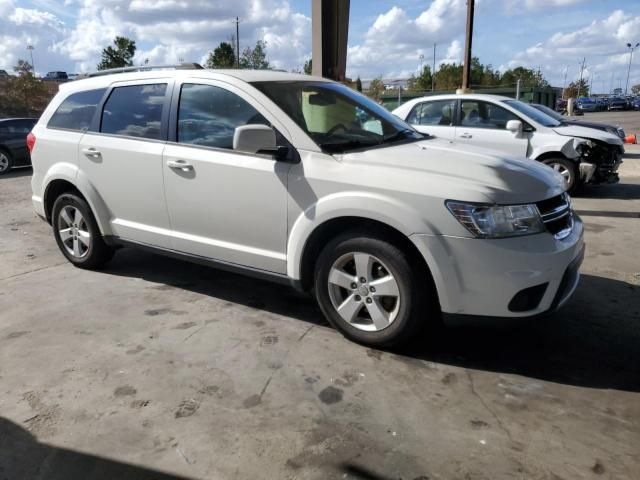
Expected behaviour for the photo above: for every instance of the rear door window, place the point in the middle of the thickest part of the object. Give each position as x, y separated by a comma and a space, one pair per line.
438, 112
77, 111
135, 111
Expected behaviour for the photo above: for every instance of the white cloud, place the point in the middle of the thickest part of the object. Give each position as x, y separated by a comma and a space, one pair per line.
602, 43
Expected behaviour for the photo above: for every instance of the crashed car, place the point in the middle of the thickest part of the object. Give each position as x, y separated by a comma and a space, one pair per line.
581, 155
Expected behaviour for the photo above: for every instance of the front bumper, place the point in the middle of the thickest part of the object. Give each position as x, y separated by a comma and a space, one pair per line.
482, 277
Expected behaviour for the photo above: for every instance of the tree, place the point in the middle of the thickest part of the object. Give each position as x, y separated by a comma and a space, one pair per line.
222, 57
120, 56
358, 84
23, 95
255, 58
308, 66
23, 68
577, 89
376, 87
422, 82
527, 76
448, 76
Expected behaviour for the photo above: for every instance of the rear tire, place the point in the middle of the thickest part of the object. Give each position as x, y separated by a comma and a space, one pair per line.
370, 291
567, 169
6, 161
77, 233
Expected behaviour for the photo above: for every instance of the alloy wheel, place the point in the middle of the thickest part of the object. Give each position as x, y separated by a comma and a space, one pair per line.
4, 162
562, 170
364, 292
74, 231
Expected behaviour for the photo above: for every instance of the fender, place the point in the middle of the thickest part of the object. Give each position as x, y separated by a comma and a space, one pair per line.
71, 173
568, 149
389, 211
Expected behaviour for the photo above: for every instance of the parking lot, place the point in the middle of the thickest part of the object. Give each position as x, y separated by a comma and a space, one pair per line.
157, 365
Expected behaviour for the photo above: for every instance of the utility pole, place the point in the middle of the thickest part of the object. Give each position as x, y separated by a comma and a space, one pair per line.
433, 72
237, 42
611, 84
564, 83
33, 67
581, 72
466, 70
632, 48
518, 89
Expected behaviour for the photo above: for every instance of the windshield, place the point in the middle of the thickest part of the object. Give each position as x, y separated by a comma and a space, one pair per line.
532, 113
549, 111
336, 117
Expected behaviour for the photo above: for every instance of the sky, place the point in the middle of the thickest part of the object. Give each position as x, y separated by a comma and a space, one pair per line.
386, 38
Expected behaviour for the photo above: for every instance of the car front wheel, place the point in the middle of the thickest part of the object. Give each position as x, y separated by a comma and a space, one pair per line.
6, 162
567, 169
369, 290
77, 233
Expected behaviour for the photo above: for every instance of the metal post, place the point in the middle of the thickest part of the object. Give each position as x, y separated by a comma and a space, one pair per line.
564, 83
237, 42
33, 67
632, 48
433, 72
518, 89
581, 72
466, 70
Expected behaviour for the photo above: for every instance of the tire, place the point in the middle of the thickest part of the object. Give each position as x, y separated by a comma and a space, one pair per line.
567, 169
78, 237
398, 318
6, 161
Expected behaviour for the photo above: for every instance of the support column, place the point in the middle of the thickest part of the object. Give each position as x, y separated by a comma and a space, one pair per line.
330, 31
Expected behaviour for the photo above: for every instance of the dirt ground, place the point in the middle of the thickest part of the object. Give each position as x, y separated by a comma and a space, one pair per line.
154, 365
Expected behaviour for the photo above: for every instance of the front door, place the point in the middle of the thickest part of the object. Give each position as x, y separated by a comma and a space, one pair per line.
223, 204
123, 162
483, 124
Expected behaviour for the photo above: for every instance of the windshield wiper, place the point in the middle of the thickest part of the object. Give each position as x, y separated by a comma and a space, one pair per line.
400, 135
343, 146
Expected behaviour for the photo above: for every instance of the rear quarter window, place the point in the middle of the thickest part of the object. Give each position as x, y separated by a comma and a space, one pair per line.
76, 112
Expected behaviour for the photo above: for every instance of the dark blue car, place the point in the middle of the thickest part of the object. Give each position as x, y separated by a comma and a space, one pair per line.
587, 104
635, 103
617, 103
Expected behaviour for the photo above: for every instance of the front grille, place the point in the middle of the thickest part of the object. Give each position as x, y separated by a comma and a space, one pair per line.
556, 215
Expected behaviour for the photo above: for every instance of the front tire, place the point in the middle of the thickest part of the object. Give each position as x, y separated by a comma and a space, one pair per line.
567, 169
6, 161
77, 233
369, 291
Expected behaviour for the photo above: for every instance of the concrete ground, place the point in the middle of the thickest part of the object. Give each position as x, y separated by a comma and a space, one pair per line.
154, 365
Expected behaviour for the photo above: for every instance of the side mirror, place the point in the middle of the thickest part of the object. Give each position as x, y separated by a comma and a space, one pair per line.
255, 138
514, 126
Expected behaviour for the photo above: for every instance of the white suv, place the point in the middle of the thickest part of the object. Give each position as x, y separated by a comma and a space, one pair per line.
506, 125
306, 182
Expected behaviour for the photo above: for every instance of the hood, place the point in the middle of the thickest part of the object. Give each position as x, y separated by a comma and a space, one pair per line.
588, 133
465, 173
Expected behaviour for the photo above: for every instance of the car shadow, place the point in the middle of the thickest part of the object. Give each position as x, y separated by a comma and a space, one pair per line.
18, 172
593, 341
23, 457
622, 191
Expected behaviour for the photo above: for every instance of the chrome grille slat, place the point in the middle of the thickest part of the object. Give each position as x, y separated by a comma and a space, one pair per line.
557, 216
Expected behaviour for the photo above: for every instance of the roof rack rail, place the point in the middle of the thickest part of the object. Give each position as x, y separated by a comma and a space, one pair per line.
143, 68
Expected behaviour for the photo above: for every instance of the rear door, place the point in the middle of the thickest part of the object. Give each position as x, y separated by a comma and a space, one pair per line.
484, 124
121, 158
435, 117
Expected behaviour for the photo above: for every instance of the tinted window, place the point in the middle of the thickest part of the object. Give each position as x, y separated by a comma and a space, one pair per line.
209, 115
17, 127
485, 115
439, 112
134, 111
536, 115
76, 112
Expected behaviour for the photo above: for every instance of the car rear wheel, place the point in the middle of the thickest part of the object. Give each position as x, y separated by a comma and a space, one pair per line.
369, 291
77, 233
567, 169
6, 162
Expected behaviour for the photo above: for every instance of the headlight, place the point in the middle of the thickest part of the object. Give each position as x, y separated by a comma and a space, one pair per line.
497, 221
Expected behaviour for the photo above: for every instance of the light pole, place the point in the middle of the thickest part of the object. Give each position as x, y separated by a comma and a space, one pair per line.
433, 72
564, 83
631, 48
33, 67
581, 72
421, 57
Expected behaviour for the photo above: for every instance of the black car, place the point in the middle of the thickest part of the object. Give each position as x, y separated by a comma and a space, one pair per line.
635, 103
617, 103
13, 143
56, 76
606, 157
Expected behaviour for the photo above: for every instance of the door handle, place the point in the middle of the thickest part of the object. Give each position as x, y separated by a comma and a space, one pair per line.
91, 152
179, 165
466, 135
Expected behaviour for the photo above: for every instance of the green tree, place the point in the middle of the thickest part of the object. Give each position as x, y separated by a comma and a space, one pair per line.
578, 88
255, 58
222, 57
120, 56
483, 75
308, 66
358, 84
376, 88
24, 95
448, 76
527, 76
422, 82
